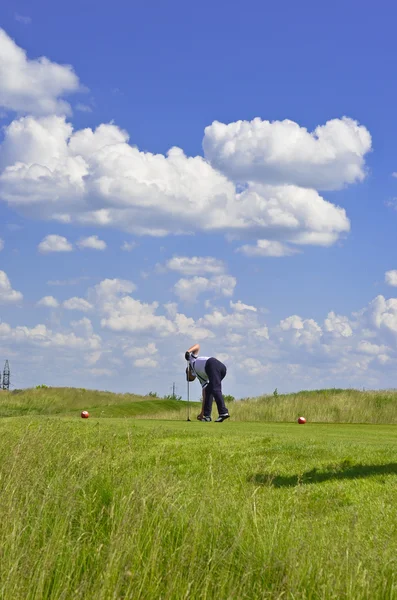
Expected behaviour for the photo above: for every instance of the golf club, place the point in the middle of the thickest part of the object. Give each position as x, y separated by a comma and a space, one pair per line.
188, 394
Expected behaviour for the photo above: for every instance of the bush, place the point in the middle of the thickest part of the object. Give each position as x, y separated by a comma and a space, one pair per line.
172, 397
229, 398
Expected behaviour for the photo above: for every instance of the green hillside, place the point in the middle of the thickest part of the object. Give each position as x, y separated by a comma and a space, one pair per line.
318, 406
71, 401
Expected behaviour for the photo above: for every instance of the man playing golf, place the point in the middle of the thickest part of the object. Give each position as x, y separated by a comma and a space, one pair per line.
210, 372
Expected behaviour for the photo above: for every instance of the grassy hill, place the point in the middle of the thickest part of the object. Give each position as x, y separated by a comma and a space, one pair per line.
71, 401
318, 406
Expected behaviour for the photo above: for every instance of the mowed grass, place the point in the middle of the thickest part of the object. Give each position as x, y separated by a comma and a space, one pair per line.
110, 508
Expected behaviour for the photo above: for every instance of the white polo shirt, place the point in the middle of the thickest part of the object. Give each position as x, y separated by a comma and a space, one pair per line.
197, 364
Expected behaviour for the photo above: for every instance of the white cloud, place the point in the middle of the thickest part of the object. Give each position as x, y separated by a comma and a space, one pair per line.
99, 179
83, 107
262, 332
253, 366
267, 248
92, 242
391, 278
196, 265
54, 243
146, 363
7, 294
1, 244
373, 349
190, 329
33, 86
48, 301
93, 358
139, 351
381, 315
301, 331
101, 372
128, 314
283, 152
96, 177
239, 306
83, 327
189, 289
42, 336
121, 312
76, 303
128, 246
338, 325
292, 214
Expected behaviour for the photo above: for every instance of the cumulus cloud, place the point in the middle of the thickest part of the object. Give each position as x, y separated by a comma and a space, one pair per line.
141, 351
267, 248
145, 363
283, 152
300, 332
372, 349
381, 315
338, 325
391, 278
83, 327
128, 246
54, 243
76, 303
93, 242
122, 312
7, 294
189, 289
258, 179
240, 306
33, 86
48, 302
42, 336
99, 179
196, 265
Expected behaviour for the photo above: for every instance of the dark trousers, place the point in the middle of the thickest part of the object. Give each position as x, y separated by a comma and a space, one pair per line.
216, 371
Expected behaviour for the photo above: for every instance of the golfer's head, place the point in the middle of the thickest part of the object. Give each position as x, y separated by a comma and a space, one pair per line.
189, 374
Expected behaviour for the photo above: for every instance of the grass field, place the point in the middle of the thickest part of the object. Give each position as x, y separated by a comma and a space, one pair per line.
112, 508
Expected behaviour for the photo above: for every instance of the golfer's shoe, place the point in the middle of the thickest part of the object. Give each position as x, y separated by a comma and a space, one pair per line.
204, 419
222, 418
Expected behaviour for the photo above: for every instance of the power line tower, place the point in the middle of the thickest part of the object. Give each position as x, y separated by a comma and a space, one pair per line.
6, 376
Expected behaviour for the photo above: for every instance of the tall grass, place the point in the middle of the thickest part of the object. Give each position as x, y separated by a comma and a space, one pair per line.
319, 406
69, 401
110, 509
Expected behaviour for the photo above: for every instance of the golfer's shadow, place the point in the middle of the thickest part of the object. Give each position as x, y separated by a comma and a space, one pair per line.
344, 470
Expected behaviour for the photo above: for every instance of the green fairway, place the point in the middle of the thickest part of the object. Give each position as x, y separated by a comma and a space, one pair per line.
121, 508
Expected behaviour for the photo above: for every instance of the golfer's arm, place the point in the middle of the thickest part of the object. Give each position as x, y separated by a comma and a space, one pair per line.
194, 349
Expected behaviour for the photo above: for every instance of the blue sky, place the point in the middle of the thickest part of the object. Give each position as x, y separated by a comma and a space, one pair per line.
269, 236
